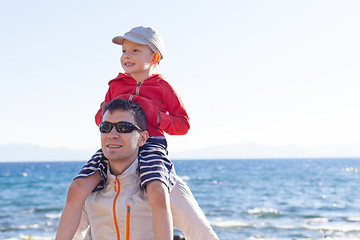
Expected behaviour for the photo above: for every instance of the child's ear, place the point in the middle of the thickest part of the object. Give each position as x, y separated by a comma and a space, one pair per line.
156, 58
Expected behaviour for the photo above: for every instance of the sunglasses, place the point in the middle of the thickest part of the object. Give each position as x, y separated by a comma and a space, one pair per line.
121, 127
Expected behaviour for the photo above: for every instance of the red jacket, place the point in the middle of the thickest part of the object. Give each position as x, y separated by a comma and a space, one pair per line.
155, 96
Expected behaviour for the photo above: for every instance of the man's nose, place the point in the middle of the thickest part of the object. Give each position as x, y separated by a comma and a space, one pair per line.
113, 133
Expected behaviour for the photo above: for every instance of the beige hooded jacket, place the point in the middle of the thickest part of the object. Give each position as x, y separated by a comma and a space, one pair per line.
122, 211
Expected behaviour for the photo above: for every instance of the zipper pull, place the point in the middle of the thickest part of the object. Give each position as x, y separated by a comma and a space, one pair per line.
138, 88
128, 223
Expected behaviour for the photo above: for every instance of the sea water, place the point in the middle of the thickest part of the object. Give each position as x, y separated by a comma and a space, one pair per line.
242, 199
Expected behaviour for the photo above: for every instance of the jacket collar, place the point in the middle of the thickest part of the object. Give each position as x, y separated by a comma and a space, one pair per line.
131, 80
129, 177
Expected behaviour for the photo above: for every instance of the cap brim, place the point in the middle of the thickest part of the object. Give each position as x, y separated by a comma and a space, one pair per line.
120, 40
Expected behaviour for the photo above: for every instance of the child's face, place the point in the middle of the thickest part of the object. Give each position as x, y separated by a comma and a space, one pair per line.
136, 58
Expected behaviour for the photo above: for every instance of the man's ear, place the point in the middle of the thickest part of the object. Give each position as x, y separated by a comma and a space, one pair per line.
144, 135
156, 58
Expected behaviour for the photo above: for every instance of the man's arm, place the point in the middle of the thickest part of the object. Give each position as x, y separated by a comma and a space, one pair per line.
83, 231
187, 214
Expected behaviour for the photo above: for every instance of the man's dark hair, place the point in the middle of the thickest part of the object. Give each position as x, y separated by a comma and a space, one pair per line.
127, 105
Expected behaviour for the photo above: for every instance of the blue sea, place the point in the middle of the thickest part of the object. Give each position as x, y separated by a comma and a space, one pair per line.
243, 199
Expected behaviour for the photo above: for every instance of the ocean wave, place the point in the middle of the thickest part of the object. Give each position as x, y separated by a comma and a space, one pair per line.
40, 210
352, 169
317, 220
23, 237
19, 227
287, 227
53, 216
265, 212
185, 178
353, 219
339, 228
229, 224
215, 182
261, 238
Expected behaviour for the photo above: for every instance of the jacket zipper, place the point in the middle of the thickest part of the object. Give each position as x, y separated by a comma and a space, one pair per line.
117, 190
136, 92
128, 222
138, 88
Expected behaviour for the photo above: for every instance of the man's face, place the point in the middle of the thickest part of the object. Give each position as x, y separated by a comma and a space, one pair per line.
121, 147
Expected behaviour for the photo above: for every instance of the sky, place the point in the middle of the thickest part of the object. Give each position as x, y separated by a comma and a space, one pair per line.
262, 72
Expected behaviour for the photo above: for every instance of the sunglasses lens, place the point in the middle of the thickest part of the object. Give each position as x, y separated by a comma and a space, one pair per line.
124, 127
121, 127
105, 127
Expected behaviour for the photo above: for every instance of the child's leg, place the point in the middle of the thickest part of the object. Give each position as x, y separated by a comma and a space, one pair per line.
187, 214
158, 195
155, 174
78, 191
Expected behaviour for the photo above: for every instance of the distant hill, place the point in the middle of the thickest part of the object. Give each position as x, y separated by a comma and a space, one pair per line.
246, 151
23, 152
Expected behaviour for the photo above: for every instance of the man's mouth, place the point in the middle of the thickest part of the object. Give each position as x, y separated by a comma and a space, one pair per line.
113, 146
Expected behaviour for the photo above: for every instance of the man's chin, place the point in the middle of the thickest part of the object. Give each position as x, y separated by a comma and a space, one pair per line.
111, 154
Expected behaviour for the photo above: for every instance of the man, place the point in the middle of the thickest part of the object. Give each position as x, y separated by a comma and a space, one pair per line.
121, 210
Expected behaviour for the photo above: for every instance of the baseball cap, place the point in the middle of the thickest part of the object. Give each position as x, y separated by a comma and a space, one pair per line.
143, 35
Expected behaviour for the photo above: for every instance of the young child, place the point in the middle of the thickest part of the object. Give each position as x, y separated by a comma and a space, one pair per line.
142, 50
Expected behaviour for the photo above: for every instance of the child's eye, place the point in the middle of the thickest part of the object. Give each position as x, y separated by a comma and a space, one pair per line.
136, 50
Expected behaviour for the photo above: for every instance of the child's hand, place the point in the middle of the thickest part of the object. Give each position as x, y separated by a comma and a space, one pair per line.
151, 110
